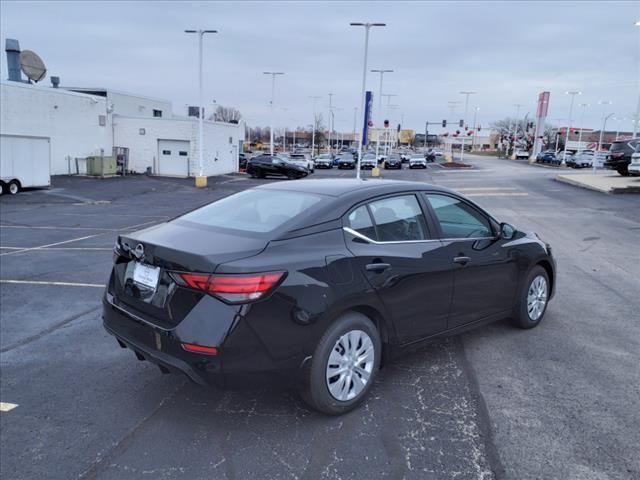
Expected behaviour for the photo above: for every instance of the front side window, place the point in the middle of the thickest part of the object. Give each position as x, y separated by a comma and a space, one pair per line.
457, 219
399, 219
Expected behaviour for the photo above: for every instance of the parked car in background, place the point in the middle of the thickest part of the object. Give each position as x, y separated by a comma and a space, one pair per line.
417, 160
437, 152
521, 153
309, 284
546, 156
634, 166
582, 159
302, 159
346, 160
394, 161
430, 155
242, 161
368, 161
619, 156
324, 160
262, 166
405, 155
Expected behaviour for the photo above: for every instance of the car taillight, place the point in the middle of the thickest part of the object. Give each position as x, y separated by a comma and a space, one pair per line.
231, 288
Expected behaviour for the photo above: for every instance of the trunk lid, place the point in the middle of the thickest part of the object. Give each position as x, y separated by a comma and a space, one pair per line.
173, 246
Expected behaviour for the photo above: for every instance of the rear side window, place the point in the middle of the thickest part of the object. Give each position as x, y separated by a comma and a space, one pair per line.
258, 211
399, 219
457, 219
360, 221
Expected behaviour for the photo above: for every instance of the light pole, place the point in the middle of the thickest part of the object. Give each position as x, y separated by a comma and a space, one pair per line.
367, 26
555, 151
386, 132
475, 127
566, 140
515, 127
201, 180
313, 127
584, 108
604, 126
329, 120
273, 91
355, 117
464, 120
381, 72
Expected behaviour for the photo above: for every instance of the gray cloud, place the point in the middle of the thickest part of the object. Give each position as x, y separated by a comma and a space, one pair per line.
507, 52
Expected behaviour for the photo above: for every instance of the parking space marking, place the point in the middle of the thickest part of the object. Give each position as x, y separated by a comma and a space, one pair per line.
49, 245
59, 284
498, 194
59, 249
7, 407
58, 228
472, 189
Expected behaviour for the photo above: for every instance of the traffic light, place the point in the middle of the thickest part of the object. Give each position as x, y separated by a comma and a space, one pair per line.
469, 133
386, 124
444, 124
457, 132
461, 123
479, 128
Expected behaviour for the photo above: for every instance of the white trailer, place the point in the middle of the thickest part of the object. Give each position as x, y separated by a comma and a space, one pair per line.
24, 163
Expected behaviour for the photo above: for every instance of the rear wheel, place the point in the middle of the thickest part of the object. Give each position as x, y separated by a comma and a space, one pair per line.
14, 187
3, 187
344, 366
624, 173
533, 299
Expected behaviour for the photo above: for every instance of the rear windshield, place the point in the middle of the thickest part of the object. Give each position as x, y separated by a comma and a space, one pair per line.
258, 211
618, 146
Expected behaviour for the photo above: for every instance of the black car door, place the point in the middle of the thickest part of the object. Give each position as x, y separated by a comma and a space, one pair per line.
485, 274
394, 250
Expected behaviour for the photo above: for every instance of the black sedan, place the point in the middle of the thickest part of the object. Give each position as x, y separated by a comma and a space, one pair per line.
346, 160
393, 161
319, 283
266, 165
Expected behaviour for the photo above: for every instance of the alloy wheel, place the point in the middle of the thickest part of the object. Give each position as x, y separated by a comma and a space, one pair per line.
536, 298
350, 365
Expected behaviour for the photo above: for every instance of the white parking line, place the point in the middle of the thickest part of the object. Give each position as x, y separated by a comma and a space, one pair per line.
59, 228
472, 189
7, 407
498, 194
49, 245
59, 284
58, 249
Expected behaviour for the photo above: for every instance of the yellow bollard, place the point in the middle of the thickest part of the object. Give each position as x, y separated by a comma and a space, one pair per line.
201, 182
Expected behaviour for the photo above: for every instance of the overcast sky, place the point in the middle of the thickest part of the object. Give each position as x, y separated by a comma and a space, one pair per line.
505, 51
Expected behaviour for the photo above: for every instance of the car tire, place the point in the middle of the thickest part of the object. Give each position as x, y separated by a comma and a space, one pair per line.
318, 393
13, 187
624, 173
3, 187
529, 311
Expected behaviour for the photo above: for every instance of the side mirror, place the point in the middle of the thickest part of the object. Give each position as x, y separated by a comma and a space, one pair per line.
507, 231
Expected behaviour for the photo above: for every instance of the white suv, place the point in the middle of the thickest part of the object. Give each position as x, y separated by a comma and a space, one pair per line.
634, 166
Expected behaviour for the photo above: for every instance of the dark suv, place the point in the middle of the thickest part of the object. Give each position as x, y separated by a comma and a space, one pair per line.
619, 156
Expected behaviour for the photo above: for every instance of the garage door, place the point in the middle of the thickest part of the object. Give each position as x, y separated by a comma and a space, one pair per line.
173, 158
25, 159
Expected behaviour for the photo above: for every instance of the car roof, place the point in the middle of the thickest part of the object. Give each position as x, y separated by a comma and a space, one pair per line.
350, 186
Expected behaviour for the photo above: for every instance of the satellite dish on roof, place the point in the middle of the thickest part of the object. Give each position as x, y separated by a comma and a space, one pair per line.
32, 65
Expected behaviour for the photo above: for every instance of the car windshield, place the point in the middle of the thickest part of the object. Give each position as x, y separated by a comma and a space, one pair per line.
258, 211
324, 156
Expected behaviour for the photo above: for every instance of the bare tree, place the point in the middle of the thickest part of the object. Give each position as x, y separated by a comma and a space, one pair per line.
226, 114
514, 134
319, 126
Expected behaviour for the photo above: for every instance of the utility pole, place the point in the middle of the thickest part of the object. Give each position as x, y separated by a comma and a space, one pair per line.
367, 26
273, 90
313, 127
380, 119
464, 121
584, 108
515, 127
329, 121
475, 127
604, 126
201, 180
355, 116
566, 140
386, 130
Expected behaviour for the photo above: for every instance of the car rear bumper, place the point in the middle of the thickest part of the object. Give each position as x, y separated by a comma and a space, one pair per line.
241, 360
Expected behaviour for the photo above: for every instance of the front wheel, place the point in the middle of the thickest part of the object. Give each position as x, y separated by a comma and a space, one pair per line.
344, 365
533, 299
14, 187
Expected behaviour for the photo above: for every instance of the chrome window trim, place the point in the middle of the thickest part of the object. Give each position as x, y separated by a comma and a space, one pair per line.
376, 242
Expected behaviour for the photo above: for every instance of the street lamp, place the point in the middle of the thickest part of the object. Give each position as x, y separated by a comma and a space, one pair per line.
381, 72
329, 119
313, 127
464, 120
367, 26
566, 140
273, 90
584, 108
604, 126
201, 180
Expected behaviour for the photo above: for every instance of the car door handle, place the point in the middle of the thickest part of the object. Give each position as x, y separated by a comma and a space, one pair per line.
377, 267
461, 260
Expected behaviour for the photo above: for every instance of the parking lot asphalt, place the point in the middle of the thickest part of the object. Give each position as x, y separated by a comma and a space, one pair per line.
556, 402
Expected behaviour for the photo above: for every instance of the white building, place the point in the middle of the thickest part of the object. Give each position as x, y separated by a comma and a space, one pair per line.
81, 122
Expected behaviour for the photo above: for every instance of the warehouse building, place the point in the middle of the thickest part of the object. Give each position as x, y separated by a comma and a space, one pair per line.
78, 122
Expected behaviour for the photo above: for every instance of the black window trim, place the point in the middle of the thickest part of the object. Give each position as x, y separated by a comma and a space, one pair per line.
493, 223
417, 194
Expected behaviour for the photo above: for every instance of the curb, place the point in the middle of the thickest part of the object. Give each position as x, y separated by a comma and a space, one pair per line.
609, 191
